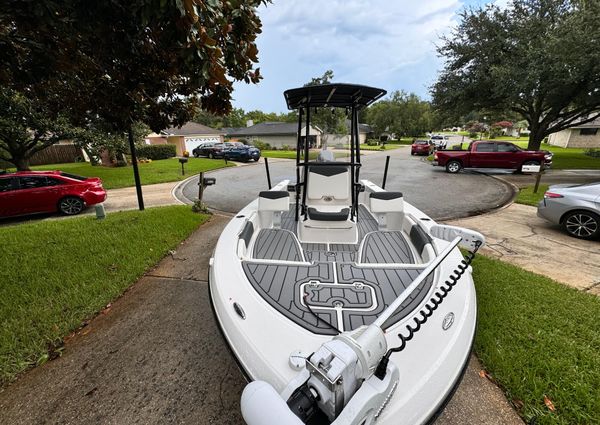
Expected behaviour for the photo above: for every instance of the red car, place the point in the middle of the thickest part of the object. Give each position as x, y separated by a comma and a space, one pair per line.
31, 192
421, 147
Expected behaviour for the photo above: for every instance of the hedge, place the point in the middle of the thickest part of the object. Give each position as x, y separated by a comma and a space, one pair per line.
157, 151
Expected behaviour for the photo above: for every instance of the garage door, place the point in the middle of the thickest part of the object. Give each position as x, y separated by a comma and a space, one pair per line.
192, 143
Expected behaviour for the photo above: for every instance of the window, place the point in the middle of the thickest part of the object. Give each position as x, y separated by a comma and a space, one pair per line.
32, 182
51, 181
486, 147
588, 131
6, 185
506, 147
73, 176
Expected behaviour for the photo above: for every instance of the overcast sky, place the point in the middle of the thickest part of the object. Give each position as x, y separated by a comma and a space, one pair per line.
383, 43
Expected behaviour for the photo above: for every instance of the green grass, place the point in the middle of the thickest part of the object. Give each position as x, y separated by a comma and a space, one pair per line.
388, 146
539, 338
527, 197
161, 171
512, 139
56, 274
568, 158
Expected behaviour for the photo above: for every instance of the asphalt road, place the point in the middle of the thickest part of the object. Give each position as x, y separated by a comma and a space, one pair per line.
431, 189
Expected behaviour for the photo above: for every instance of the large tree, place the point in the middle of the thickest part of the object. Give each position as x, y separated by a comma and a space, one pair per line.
154, 61
404, 114
330, 121
538, 58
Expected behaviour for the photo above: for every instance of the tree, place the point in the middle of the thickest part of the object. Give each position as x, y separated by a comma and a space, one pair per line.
155, 61
401, 113
538, 58
27, 127
330, 121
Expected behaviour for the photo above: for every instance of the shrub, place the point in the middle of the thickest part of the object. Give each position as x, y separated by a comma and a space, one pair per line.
473, 135
286, 148
157, 151
594, 153
372, 142
262, 145
121, 163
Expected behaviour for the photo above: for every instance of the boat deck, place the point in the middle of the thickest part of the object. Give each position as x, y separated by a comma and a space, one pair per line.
345, 285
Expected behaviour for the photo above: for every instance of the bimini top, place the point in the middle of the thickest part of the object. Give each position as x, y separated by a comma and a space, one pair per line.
334, 95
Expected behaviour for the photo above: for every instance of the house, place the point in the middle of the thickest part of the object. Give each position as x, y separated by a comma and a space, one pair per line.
186, 138
276, 134
364, 132
578, 136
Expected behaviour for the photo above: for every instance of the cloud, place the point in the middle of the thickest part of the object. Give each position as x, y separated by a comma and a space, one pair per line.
390, 44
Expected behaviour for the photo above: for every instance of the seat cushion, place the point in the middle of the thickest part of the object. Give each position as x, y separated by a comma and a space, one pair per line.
315, 214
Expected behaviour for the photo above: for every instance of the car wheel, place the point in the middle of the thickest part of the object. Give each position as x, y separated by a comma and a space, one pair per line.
453, 167
211, 155
196, 155
412, 153
71, 205
582, 224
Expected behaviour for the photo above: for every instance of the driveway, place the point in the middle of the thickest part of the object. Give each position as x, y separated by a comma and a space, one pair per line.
431, 189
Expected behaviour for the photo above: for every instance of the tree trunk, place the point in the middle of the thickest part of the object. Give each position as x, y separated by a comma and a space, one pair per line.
22, 164
536, 136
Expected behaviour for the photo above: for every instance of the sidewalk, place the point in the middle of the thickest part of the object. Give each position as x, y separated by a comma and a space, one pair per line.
156, 356
517, 235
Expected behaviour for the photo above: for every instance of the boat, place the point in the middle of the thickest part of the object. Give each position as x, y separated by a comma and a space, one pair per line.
342, 302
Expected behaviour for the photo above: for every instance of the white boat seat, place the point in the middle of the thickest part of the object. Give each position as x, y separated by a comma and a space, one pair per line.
386, 202
273, 200
271, 204
341, 215
331, 181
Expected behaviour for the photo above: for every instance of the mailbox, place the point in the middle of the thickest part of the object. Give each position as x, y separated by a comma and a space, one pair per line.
183, 160
209, 181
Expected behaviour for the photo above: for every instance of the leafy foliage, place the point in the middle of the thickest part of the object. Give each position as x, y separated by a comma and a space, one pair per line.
538, 58
27, 127
154, 61
404, 114
155, 152
331, 121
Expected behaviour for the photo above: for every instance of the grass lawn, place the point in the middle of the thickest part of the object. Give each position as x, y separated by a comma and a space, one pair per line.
527, 197
56, 274
568, 158
161, 171
538, 338
388, 146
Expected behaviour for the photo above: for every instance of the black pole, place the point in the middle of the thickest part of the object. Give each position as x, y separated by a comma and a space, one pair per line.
268, 174
136, 172
352, 164
357, 136
305, 182
385, 170
298, 146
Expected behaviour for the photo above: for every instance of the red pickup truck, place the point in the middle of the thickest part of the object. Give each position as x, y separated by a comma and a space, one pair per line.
487, 154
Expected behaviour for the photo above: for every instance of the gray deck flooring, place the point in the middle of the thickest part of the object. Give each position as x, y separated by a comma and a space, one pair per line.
346, 297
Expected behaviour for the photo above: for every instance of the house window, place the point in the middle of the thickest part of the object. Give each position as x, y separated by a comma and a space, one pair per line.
588, 131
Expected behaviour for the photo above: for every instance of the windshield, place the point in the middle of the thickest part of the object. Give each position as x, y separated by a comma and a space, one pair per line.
421, 142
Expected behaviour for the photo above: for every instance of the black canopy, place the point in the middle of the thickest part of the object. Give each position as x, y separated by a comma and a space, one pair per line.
334, 95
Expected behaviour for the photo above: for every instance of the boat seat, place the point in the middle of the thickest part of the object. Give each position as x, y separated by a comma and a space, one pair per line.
341, 215
271, 204
328, 183
388, 207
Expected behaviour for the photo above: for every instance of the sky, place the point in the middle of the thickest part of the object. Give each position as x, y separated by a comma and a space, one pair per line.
383, 43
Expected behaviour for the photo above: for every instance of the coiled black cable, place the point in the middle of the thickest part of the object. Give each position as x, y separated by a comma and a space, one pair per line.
427, 311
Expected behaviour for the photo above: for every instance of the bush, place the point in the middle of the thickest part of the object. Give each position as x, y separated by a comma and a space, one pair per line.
286, 148
594, 153
121, 163
262, 145
473, 135
372, 142
157, 151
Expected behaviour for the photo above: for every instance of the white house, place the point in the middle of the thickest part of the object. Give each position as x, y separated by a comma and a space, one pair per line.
186, 138
579, 136
276, 134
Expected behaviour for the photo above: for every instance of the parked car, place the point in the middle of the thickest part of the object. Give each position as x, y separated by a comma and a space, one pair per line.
241, 152
421, 147
487, 154
205, 149
32, 192
575, 207
438, 141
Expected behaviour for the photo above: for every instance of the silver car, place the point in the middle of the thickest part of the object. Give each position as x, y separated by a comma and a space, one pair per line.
575, 207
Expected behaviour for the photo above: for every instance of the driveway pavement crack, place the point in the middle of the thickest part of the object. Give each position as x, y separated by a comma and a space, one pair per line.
592, 286
189, 279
